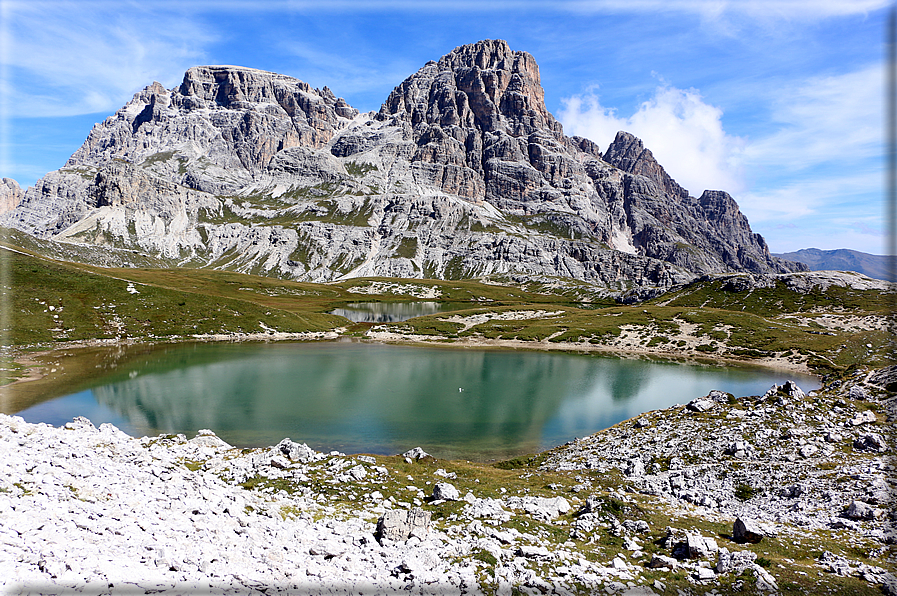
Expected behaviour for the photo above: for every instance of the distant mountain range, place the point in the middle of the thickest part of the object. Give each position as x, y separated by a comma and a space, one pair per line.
463, 173
843, 259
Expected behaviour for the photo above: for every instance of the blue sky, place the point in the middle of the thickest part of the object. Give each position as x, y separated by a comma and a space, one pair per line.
778, 102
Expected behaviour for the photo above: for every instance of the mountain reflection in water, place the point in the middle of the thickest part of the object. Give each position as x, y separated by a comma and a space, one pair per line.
373, 398
395, 312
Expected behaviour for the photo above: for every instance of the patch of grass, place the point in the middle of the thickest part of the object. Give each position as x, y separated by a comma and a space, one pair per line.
407, 248
54, 300
522, 462
720, 294
485, 556
359, 169
192, 465
258, 482
657, 340
744, 492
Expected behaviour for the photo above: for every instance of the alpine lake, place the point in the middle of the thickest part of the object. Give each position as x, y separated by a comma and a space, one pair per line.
361, 397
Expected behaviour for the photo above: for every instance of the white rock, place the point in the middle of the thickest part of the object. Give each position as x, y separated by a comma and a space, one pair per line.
445, 492
864, 417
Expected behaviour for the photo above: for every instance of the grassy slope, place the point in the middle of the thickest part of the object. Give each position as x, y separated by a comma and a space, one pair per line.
52, 301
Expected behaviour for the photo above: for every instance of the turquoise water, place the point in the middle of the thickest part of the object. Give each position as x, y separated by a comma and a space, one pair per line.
394, 312
374, 398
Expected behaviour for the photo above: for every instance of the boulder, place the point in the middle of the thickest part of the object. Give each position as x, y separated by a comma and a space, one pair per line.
296, 451
399, 525
699, 547
739, 449
704, 574
808, 450
663, 561
858, 393
746, 530
416, 454
734, 562
870, 442
592, 505
788, 389
885, 377
541, 507
701, 404
791, 389
443, 491
636, 526
635, 467
864, 417
860, 510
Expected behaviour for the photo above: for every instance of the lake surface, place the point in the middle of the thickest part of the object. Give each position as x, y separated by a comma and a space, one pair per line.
394, 312
374, 398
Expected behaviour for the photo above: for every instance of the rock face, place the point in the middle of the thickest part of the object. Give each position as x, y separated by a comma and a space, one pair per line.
10, 195
462, 173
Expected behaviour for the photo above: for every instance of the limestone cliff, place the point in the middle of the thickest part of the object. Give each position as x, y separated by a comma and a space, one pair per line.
462, 173
10, 195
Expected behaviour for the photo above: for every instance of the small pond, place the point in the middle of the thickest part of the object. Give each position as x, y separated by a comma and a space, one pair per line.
394, 312
373, 398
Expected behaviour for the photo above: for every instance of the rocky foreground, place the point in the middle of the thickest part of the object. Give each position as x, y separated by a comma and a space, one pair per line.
782, 493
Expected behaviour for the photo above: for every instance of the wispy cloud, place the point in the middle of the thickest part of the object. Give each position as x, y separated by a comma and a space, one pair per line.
65, 58
833, 119
804, 10
349, 74
684, 133
839, 194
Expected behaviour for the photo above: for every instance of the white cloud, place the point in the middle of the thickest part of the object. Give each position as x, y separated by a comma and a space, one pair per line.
684, 133
809, 175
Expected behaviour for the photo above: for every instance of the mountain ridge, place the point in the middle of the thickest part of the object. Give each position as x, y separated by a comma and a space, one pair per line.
844, 259
462, 173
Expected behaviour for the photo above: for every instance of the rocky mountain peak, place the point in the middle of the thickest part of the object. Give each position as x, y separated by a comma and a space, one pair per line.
484, 85
462, 173
628, 153
256, 114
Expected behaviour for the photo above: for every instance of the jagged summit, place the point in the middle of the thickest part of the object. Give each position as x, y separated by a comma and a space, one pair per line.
483, 85
463, 172
628, 153
235, 117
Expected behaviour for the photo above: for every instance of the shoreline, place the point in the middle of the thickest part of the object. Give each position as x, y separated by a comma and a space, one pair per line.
29, 359
775, 363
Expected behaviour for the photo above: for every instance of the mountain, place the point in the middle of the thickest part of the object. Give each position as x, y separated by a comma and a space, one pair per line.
843, 259
463, 173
